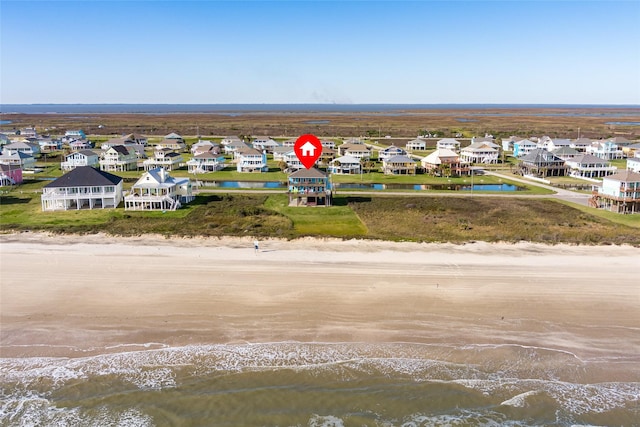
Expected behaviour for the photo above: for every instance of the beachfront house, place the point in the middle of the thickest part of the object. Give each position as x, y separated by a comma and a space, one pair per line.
479, 152
345, 165
391, 151
588, 166
156, 190
10, 175
542, 163
19, 159
80, 158
416, 145
206, 162
82, 188
309, 187
118, 158
444, 162
449, 144
252, 160
399, 165
165, 158
619, 193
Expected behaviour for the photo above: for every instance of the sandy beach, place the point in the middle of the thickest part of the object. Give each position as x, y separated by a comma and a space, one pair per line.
74, 295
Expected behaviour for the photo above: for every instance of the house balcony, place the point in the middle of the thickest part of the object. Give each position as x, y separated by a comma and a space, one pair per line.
308, 182
308, 191
399, 170
61, 193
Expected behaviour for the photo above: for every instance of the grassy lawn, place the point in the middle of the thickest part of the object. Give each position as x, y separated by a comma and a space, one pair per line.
569, 180
338, 220
429, 219
619, 163
627, 220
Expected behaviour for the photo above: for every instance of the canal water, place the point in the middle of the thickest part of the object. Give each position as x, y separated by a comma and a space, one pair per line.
368, 186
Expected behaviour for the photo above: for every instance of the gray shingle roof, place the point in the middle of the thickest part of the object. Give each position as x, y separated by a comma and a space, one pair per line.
540, 156
308, 173
85, 176
625, 176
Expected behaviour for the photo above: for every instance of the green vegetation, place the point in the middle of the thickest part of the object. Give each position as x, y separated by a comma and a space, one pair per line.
429, 219
338, 220
452, 219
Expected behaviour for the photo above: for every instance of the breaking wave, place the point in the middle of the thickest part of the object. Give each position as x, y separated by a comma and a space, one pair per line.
354, 384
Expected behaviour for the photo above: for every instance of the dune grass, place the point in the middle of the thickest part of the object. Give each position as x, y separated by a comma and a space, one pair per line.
453, 219
428, 219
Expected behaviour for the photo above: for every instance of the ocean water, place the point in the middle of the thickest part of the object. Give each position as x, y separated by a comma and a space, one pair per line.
317, 384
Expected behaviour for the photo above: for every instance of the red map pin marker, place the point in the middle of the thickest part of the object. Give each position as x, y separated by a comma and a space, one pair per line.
308, 148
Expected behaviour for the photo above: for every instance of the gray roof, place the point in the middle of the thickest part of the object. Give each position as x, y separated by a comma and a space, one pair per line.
625, 176
540, 155
282, 150
19, 154
399, 159
21, 144
582, 141
565, 151
308, 173
85, 176
588, 158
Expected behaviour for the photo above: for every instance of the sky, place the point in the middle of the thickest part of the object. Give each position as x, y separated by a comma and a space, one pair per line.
300, 52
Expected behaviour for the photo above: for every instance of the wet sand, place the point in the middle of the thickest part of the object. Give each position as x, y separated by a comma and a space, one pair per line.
82, 295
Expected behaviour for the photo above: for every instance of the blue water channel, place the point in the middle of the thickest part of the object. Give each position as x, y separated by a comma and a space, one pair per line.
367, 186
